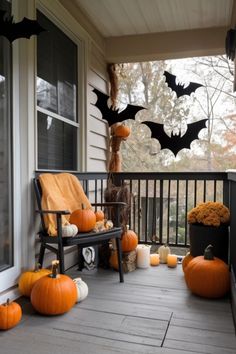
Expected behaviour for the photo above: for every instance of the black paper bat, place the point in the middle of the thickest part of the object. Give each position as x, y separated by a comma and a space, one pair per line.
230, 44
23, 29
179, 89
113, 115
175, 143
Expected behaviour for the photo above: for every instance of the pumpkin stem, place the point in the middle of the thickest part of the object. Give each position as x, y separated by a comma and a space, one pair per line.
54, 269
208, 253
7, 302
82, 206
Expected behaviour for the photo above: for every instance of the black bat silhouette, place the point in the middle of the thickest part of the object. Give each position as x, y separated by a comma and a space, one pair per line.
113, 115
179, 89
175, 143
23, 29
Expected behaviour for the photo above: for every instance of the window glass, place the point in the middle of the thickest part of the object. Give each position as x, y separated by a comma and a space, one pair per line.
56, 144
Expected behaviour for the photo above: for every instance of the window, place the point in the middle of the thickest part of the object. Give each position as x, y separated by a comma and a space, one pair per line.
57, 105
6, 210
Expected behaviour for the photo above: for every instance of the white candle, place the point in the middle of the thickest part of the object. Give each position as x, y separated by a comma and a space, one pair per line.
143, 256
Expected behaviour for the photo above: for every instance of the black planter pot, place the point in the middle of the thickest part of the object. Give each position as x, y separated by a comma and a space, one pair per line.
200, 236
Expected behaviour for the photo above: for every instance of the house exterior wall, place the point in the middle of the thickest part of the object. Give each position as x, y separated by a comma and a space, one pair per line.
93, 144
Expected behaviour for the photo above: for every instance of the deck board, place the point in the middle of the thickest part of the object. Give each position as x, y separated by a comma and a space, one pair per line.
151, 312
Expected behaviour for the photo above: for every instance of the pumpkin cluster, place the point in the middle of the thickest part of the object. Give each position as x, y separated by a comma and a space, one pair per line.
50, 293
206, 276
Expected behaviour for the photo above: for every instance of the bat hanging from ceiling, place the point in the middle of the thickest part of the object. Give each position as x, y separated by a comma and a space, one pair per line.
179, 89
175, 143
23, 29
113, 115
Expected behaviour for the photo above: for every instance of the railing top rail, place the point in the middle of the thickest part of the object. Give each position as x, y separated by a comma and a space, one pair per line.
172, 175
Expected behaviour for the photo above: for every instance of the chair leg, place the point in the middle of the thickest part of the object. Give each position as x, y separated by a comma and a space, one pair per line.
80, 258
118, 246
60, 255
41, 254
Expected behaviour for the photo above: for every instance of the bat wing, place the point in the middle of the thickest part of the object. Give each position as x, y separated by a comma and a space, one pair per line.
113, 115
180, 90
191, 133
175, 143
158, 132
23, 29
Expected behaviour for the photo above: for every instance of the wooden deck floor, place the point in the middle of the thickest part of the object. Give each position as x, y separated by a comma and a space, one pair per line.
151, 312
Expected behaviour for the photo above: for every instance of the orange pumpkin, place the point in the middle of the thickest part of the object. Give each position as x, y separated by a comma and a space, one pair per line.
10, 315
28, 279
84, 219
129, 241
207, 276
54, 294
186, 260
99, 215
113, 260
122, 130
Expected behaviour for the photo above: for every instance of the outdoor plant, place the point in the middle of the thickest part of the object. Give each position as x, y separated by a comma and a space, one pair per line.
210, 214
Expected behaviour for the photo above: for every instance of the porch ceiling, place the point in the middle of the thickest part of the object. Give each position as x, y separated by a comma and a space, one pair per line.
158, 29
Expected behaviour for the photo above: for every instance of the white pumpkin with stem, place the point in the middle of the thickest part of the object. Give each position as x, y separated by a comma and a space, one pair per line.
82, 289
163, 251
69, 230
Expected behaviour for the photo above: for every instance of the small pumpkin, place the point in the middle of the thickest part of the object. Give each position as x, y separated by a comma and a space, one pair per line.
186, 260
154, 259
122, 130
84, 219
113, 260
163, 251
207, 276
10, 314
70, 230
54, 294
129, 240
28, 279
99, 215
82, 289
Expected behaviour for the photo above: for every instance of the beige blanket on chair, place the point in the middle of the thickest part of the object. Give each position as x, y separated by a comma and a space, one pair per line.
61, 191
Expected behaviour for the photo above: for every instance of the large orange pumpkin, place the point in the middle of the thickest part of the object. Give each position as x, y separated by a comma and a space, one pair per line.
207, 276
28, 279
10, 315
84, 219
54, 294
129, 241
186, 260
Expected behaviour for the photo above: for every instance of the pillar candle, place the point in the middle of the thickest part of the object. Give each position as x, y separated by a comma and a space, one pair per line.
143, 256
172, 260
154, 259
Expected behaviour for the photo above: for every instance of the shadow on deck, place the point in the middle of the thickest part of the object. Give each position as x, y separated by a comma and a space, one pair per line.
151, 312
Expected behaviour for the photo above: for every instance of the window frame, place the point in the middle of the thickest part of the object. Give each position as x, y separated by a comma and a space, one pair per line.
80, 39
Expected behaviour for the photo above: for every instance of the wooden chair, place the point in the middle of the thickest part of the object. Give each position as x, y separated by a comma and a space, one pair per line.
81, 239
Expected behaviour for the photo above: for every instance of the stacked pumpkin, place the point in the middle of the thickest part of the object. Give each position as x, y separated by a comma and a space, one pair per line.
206, 276
129, 242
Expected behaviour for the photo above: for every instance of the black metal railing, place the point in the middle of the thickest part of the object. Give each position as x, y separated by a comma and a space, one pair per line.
160, 201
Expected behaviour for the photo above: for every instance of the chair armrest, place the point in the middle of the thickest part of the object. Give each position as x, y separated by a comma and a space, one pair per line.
58, 212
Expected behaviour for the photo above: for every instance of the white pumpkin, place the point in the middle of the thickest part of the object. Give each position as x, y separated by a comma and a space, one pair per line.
69, 230
163, 253
82, 289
